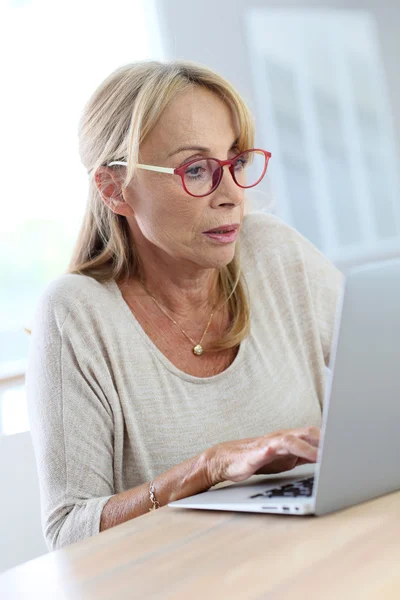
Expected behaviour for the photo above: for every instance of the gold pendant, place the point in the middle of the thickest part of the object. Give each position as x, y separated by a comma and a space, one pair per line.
198, 350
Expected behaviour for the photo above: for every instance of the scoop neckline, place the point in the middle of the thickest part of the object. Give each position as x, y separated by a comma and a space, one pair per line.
112, 284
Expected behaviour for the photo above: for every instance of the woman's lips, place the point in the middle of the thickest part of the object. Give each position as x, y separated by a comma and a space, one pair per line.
223, 228
224, 234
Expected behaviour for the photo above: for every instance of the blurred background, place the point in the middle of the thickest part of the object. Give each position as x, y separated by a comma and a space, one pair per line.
321, 78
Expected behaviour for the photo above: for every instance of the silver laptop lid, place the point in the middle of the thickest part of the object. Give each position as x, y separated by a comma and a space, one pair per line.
361, 441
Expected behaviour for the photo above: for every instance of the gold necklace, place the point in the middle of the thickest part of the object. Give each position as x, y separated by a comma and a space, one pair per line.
198, 348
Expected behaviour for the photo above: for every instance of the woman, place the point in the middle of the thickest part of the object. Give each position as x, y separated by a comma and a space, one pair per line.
167, 360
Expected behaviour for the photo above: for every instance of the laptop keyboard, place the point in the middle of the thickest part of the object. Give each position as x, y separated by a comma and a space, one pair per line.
302, 487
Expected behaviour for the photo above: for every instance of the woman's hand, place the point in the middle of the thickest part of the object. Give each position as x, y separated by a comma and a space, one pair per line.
273, 453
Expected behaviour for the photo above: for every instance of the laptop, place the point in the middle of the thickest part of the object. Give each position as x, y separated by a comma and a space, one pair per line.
359, 451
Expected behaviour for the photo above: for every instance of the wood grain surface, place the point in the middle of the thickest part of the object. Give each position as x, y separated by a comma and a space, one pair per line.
178, 553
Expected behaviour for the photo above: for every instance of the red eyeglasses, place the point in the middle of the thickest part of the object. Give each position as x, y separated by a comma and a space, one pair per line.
201, 177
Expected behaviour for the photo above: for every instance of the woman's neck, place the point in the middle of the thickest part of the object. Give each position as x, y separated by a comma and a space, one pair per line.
182, 287
181, 294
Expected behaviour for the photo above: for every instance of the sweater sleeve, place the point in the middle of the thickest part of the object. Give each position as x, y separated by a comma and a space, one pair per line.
313, 273
326, 284
70, 418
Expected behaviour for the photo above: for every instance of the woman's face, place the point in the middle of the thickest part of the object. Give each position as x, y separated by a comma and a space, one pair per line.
163, 217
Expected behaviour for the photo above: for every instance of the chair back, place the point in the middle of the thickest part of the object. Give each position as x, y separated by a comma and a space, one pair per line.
20, 517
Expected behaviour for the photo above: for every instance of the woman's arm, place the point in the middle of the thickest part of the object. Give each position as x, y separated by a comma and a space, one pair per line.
186, 479
68, 391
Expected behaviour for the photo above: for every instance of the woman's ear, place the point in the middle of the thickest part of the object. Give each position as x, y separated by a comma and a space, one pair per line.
109, 184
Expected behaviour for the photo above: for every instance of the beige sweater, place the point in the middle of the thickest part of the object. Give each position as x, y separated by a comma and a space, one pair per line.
108, 411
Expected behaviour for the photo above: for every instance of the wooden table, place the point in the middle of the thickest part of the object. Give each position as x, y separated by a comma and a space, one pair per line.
178, 553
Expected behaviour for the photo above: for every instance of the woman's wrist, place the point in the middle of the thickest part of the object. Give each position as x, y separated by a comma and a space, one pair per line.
185, 479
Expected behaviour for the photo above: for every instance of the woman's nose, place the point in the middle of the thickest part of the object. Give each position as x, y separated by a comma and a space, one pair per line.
228, 192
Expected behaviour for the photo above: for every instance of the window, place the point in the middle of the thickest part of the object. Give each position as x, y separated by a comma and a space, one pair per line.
323, 110
56, 55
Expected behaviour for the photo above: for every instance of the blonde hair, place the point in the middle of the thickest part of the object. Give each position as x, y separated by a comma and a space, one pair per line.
117, 118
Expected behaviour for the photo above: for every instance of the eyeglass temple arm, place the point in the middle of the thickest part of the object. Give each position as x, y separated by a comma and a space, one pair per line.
147, 167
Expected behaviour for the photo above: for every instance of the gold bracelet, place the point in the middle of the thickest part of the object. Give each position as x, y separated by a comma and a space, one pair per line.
155, 502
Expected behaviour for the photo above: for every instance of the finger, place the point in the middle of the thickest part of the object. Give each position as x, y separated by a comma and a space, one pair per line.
290, 444
310, 435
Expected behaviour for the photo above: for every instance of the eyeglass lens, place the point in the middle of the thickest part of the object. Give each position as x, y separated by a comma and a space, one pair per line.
203, 176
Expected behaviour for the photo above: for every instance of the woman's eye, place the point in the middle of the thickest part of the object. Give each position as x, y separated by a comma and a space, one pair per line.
194, 171
240, 163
